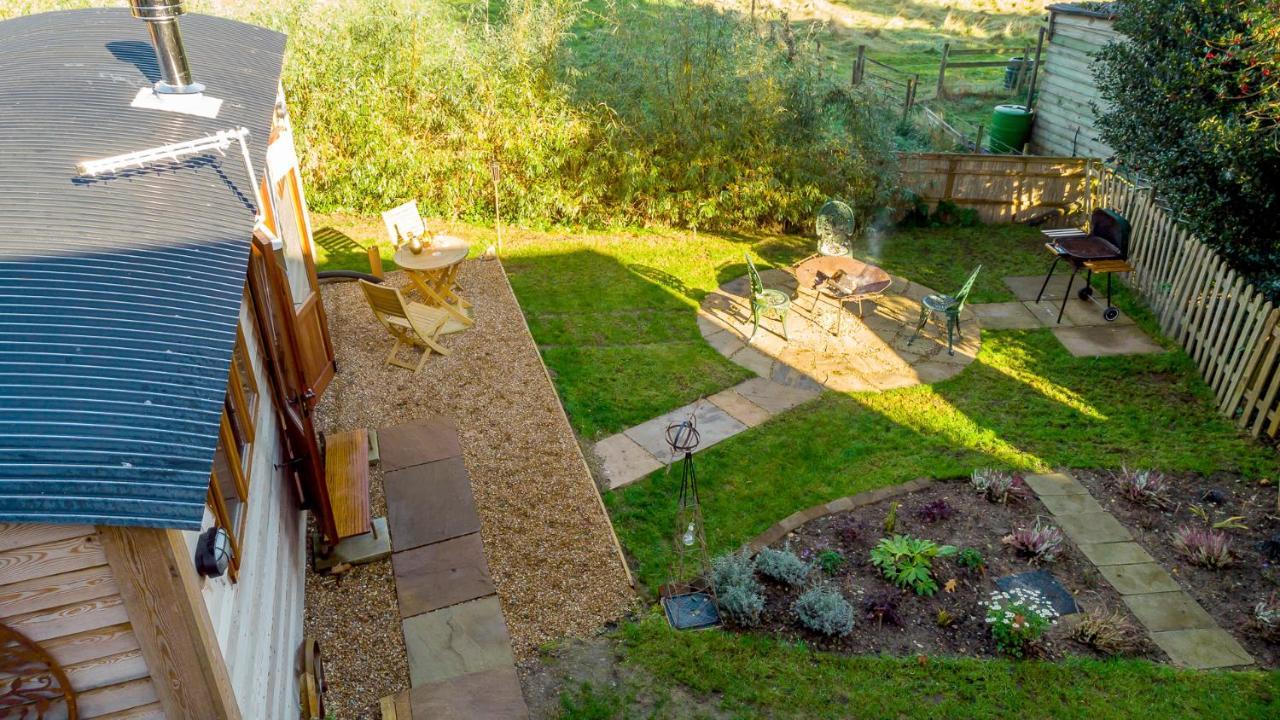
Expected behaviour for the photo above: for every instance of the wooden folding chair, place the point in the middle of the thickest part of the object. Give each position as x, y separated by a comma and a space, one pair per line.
403, 221
411, 324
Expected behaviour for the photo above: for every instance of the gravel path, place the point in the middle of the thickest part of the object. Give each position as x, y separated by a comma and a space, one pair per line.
546, 537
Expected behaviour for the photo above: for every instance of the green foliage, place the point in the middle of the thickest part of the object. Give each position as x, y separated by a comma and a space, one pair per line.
783, 566
1018, 618
971, 559
907, 561
824, 611
1192, 100
659, 114
891, 518
830, 561
738, 593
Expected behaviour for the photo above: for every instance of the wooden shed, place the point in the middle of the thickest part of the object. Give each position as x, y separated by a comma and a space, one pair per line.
162, 344
1066, 124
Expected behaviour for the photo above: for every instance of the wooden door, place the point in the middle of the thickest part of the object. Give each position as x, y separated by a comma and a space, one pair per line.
292, 395
287, 212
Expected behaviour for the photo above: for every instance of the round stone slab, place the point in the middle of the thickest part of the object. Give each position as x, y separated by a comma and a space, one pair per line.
870, 353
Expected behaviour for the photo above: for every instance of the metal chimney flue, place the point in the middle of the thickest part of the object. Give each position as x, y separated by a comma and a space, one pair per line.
161, 17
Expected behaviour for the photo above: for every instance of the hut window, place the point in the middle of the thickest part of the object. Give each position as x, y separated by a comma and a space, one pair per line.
229, 480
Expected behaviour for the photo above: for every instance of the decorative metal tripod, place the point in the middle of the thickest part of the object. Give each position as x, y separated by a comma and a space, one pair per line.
689, 602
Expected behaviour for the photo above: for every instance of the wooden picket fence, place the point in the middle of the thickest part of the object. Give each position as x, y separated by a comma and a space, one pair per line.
1224, 323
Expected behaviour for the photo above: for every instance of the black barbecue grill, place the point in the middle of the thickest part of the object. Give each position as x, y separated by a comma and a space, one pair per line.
1107, 239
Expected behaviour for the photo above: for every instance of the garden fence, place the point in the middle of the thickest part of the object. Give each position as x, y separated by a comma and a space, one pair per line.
1224, 323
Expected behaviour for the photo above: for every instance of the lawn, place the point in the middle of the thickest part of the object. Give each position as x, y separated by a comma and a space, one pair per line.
759, 677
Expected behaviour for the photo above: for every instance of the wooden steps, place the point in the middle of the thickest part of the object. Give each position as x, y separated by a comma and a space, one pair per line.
346, 475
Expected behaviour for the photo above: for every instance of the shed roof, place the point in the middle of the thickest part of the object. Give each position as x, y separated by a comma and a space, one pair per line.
119, 296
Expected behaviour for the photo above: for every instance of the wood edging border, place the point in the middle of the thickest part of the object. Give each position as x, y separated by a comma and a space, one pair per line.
564, 416
789, 524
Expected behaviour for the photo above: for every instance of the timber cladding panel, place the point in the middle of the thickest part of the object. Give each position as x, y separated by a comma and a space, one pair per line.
1066, 123
57, 589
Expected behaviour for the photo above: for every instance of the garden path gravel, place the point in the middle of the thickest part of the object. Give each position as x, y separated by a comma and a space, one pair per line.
547, 539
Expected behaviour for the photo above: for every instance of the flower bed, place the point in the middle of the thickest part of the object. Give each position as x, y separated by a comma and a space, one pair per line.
949, 543
1158, 508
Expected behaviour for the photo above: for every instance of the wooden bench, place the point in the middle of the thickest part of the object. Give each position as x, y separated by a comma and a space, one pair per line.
346, 475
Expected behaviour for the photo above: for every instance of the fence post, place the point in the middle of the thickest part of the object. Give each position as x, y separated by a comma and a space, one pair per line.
942, 70
915, 87
906, 102
858, 64
977, 142
1035, 69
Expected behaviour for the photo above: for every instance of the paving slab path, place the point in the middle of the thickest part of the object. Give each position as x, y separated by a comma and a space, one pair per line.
460, 657
1176, 622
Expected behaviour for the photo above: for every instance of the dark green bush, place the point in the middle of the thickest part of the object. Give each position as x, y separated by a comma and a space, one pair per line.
1192, 97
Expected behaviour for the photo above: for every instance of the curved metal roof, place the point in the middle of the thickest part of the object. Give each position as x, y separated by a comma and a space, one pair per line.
119, 295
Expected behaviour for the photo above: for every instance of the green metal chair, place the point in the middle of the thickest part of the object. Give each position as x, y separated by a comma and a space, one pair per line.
766, 301
951, 306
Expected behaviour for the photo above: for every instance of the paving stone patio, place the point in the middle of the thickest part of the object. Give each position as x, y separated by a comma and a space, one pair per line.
870, 353
1082, 330
1175, 621
460, 660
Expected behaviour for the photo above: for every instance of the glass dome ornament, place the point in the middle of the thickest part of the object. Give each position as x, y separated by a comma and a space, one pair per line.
836, 227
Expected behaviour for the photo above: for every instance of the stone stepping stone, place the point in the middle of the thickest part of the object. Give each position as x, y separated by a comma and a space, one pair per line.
1139, 579
1106, 341
1169, 611
1005, 316
774, 397
1054, 484
1092, 527
490, 694
1071, 504
1202, 649
429, 503
742, 409
441, 574
1117, 553
1043, 582
714, 425
1046, 313
1085, 314
1025, 287
418, 442
457, 640
623, 461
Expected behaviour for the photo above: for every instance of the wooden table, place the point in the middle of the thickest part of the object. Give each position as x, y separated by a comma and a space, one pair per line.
434, 271
869, 282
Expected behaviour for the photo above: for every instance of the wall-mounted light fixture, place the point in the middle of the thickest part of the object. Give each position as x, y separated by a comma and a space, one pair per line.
213, 552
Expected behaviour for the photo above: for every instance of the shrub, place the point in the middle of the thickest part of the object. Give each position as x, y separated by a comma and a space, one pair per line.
1108, 633
1266, 616
830, 561
738, 593
783, 566
971, 558
882, 607
1192, 104
934, 511
824, 611
1142, 486
1018, 618
998, 486
1041, 542
1203, 546
907, 561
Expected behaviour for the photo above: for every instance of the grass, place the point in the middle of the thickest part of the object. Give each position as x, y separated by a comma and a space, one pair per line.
760, 677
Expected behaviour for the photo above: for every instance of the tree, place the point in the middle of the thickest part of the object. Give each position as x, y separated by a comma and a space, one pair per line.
1194, 105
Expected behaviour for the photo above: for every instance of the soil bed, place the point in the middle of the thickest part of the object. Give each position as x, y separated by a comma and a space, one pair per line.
1228, 594
974, 523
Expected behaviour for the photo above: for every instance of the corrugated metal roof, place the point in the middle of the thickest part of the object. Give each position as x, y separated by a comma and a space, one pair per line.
119, 296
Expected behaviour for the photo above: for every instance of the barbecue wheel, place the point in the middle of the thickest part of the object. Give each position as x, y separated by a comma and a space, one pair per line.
1110, 314
1085, 292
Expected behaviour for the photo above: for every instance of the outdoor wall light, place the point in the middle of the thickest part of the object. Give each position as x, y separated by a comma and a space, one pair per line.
213, 552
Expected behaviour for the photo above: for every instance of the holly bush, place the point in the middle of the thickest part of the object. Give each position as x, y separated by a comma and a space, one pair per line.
1191, 102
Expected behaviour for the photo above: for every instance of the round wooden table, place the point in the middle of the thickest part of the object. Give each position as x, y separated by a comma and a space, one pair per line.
869, 282
434, 271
